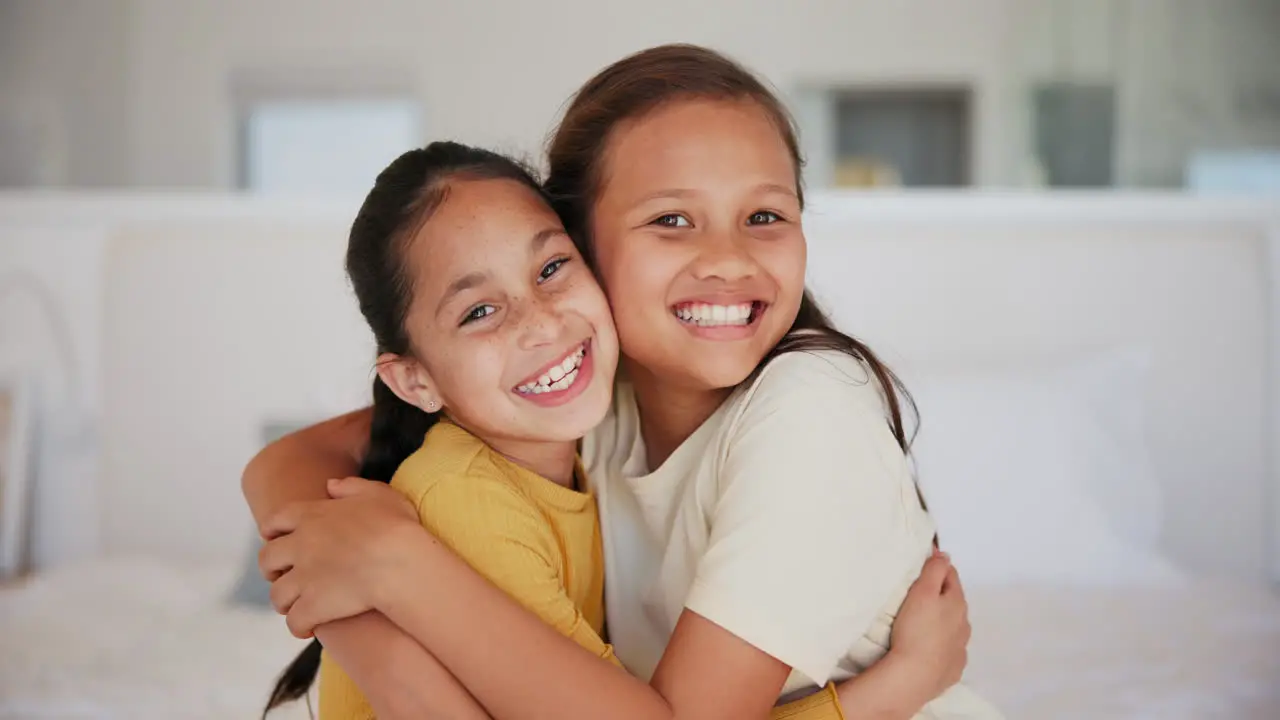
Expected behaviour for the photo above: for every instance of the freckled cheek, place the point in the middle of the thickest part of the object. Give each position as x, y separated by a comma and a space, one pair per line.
476, 369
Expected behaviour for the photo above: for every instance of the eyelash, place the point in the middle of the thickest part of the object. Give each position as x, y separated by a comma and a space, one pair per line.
471, 315
556, 264
659, 220
773, 218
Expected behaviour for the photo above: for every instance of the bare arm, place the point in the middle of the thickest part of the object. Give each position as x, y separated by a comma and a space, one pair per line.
521, 668
400, 679
297, 466
397, 675
888, 690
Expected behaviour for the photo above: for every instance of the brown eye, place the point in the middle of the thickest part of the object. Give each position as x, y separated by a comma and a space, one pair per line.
673, 220
763, 217
550, 269
478, 312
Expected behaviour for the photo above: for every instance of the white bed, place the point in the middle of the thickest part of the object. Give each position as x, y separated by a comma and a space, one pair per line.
1098, 379
1209, 650
136, 638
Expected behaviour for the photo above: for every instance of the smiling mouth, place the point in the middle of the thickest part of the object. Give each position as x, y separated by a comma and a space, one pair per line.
558, 377
709, 315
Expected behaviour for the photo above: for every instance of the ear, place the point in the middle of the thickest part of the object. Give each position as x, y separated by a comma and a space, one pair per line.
409, 380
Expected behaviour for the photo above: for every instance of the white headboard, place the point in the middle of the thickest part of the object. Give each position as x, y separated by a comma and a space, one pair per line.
994, 281
223, 314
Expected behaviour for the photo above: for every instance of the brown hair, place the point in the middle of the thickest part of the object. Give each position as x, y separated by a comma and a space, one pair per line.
635, 86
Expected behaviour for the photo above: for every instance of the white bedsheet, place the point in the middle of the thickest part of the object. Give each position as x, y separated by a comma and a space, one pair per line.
1204, 651
136, 638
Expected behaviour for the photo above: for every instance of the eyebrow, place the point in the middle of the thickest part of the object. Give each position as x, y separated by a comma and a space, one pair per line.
476, 279
466, 282
683, 193
541, 237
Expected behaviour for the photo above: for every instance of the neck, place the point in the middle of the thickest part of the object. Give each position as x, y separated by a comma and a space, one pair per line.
554, 461
669, 413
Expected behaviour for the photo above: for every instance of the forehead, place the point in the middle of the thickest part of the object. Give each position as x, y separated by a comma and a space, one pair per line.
480, 225
693, 143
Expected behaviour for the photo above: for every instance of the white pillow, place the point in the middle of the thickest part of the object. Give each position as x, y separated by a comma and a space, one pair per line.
1042, 475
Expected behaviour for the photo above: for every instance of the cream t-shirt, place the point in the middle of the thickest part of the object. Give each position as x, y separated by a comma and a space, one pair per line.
789, 518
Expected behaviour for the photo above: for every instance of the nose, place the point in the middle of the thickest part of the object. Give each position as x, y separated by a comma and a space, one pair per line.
543, 324
723, 255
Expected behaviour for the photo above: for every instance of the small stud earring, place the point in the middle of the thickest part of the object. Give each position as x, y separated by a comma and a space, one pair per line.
431, 406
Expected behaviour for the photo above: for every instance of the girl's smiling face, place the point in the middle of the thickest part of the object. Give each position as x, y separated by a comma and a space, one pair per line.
697, 240
509, 329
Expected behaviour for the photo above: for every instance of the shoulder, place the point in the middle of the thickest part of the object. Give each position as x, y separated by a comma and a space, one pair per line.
816, 418
447, 451
811, 389
453, 475
485, 517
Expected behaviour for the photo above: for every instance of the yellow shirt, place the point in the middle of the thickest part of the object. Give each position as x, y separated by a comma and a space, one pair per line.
534, 539
538, 541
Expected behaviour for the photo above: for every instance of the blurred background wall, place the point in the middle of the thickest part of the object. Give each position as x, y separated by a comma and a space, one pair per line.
1127, 93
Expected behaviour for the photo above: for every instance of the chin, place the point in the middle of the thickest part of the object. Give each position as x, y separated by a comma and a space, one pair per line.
714, 374
581, 418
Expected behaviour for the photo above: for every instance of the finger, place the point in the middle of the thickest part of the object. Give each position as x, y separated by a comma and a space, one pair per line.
284, 593
932, 575
287, 520
951, 585
275, 558
349, 486
299, 620
297, 628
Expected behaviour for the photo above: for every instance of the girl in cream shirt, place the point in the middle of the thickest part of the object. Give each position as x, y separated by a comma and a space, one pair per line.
789, 518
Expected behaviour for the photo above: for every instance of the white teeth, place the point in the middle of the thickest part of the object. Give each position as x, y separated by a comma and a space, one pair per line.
559, 377
714, 315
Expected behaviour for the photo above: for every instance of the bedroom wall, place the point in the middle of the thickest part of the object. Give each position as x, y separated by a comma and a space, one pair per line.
51, 291
64, 81
144, 92
215, 332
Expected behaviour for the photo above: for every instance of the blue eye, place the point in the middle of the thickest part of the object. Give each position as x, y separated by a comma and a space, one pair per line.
478, 312
763, 217
551, 268
673, 220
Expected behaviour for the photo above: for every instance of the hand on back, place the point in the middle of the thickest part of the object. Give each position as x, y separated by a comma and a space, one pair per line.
932, 629
325, 558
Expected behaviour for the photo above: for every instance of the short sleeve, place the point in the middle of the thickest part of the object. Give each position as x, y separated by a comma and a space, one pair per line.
501, 535
809, 535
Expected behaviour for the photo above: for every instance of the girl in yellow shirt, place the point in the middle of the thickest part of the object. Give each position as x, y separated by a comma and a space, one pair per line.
496, 355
